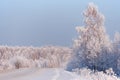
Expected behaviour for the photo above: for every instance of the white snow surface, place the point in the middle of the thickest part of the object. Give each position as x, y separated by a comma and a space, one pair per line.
38, 74
52, 74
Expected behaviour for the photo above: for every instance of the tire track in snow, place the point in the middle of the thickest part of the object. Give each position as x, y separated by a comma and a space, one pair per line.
57, 72
74, 77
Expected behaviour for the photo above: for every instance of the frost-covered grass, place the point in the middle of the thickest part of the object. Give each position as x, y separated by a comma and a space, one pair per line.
22, 57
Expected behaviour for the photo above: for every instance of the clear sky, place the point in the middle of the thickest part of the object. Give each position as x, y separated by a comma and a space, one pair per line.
50, 22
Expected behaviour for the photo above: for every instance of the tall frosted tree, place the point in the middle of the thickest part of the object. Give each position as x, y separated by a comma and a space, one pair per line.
92, 46
116, 45
116, 42
117, 38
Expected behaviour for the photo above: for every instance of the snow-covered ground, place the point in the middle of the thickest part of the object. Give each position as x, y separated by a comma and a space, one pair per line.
38, 74
52, 74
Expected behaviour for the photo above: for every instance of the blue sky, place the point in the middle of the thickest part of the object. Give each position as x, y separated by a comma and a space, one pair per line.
50, 22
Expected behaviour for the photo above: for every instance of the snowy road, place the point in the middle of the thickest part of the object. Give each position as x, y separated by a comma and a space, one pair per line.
52, 74
37, 74
57, 75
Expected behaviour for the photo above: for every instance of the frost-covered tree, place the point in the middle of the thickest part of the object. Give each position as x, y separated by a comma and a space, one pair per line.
92, 48
117, 39
28, 57
116, 45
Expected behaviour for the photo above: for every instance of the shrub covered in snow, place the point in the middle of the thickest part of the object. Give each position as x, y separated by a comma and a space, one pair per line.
87, 74
26, 57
